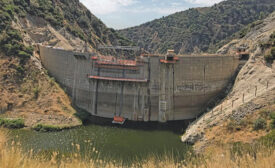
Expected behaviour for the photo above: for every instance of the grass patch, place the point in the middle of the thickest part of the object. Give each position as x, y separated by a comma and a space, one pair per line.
50, 128
239, 149
269, 139
12, 123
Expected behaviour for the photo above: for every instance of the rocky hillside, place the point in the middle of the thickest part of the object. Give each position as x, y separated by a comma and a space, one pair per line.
247, 113
199, 29
59, 23
26, 89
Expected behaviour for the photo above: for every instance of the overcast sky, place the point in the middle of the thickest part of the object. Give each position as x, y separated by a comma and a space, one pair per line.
120, 14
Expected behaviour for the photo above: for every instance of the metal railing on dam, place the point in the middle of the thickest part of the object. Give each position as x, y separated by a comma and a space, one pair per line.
150, 88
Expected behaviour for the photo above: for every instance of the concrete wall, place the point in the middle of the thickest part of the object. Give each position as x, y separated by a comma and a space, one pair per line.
173, 92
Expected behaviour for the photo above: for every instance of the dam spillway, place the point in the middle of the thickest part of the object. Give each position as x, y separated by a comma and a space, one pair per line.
150, 88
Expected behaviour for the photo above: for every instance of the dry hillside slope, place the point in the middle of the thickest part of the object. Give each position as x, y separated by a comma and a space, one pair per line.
254, 89
36, 98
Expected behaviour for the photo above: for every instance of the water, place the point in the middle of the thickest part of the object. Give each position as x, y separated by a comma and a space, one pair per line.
105, 142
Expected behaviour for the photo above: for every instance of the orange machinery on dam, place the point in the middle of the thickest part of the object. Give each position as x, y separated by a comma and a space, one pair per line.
149, 88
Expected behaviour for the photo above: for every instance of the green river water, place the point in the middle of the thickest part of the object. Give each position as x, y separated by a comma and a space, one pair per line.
105, 142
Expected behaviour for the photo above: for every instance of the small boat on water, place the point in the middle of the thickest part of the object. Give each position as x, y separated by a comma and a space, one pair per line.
118, 120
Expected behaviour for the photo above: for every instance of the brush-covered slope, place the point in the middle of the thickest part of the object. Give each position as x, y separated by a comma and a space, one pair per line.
60, 23
199, 29
26, 90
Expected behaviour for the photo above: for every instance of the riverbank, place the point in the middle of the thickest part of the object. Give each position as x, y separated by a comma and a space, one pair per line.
235, 155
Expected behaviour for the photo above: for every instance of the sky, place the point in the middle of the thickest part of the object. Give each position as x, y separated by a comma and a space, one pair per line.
119, 14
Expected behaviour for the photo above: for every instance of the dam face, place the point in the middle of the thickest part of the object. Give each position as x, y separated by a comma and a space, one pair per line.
151, 88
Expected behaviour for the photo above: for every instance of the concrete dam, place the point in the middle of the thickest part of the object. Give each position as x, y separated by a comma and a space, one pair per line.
149, 88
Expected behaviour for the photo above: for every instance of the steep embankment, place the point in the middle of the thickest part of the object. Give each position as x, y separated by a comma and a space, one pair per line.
26, 90
244, 114
199, 29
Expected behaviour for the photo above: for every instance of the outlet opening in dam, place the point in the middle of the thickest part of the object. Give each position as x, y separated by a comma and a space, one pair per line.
149, 88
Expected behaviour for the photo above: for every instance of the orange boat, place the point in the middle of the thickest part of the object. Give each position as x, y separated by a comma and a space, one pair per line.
118, 120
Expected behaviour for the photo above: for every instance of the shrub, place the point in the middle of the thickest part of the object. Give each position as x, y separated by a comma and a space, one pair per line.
36, 92
12, 123
270, 57
273, 52
236, 126
14, 34
260, 123
76, 32
20, 69
272, 115
231, 125
52, 81
48, 128
265, 113
29, 50
243, 32
272, 124
23, 54
84, 22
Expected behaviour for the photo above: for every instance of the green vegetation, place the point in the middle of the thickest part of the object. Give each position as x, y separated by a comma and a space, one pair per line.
260, 123
78, 20
49, 128
270, 56
270, 46
234, 125
12, 123
201, 28
36, 92
71, 15
11, 41
239, 149
272, 124
266, 120
248, 28
269, 139
272, 116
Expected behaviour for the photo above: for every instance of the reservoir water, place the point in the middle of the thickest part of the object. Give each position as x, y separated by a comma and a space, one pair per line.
105, 142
